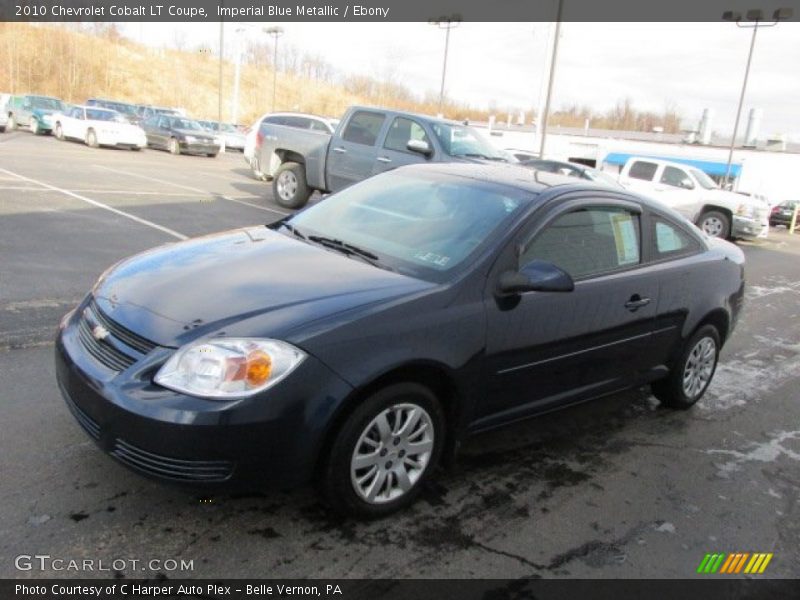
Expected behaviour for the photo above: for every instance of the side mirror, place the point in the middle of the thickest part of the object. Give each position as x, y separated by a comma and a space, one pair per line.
419, 147
687, 184
536, 276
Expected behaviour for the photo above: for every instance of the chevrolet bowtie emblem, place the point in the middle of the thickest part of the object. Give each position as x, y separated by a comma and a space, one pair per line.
99, 332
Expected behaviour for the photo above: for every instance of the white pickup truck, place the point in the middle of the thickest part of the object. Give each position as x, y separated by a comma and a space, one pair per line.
695, 195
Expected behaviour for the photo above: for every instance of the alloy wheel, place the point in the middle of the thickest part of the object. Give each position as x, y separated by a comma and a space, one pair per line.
287, 185
392, 453
713, 226
699, 367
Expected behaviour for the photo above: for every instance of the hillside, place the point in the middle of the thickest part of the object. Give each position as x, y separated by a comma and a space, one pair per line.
74, 66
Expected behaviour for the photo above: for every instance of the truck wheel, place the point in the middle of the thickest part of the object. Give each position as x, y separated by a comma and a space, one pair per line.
289, 185
715, 224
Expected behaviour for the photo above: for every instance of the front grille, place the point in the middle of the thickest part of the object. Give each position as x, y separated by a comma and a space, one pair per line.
106, 350
171, 468
89, 425
101, 351
126, 336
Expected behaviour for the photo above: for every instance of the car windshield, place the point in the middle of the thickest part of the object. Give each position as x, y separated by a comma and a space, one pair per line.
461, 140
46, 103
228, 128
185, 124
96, 114
421, 224
703, 179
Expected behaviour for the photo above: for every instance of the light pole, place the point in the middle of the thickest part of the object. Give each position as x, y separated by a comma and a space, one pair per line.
755, 17
543, 117
275, 32
237, 75
446, 23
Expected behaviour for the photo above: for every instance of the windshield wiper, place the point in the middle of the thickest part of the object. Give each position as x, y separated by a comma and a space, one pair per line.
343, 246
293, 229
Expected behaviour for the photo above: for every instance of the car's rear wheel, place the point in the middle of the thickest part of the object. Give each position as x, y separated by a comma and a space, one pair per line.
715, 224
384, 452
173, 146
91, 139
691, 375
289, 185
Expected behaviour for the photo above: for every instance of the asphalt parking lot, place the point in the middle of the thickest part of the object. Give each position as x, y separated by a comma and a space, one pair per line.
617, 488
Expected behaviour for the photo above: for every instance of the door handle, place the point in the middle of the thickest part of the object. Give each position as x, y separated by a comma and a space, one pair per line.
340, 150
384, 159
636, 302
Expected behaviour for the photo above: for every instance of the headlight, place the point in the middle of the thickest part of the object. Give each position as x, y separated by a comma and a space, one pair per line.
229, 367
746, 210
190, 139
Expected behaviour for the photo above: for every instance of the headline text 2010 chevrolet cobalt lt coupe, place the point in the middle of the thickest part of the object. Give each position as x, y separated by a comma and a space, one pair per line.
357, 342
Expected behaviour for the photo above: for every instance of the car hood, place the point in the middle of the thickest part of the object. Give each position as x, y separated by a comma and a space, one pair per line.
41, 112
248, 282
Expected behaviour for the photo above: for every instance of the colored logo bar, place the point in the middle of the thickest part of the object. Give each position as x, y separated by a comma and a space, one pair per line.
735, 562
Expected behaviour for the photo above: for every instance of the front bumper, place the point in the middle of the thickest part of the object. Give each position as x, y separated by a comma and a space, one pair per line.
199, 148
271, 440
745, 228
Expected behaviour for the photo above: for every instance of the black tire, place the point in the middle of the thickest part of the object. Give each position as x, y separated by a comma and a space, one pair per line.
91, 139
715, 224
173, 146
337, 487
212, 154
671, 390
289, 186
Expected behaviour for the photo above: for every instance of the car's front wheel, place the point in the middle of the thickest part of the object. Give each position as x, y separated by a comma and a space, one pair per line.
689, 378
34, 126
384, 452
715, 224
173, 146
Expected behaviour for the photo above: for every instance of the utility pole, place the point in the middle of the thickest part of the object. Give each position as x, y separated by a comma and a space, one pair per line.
546, 113
446, 23
275, 32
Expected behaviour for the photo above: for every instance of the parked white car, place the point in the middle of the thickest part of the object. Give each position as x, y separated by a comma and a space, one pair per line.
98, 127
4, 98
287, 119
694, 194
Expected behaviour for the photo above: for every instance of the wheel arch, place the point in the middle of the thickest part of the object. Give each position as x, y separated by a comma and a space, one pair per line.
437, 377
709, 207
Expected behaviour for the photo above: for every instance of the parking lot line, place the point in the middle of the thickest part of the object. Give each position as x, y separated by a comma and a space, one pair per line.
122, 213
192, 189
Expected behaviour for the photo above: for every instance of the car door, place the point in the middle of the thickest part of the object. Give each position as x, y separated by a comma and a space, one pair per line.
73, 125
395, 152
676, 189
545, 349
351, 155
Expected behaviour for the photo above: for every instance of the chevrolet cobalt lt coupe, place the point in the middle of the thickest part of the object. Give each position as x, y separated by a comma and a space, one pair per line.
355, 343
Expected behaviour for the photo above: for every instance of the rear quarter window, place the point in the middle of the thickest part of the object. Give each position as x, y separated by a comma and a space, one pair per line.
643, 170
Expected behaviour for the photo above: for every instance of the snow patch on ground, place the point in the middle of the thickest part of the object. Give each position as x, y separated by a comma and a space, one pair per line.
766, 452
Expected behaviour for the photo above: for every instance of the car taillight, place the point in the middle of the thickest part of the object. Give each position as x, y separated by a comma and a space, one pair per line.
259, 139
775, 209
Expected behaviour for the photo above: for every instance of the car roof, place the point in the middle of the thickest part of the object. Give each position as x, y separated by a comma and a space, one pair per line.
510, 175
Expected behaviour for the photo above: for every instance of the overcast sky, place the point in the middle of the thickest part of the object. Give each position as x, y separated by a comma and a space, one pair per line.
689, 65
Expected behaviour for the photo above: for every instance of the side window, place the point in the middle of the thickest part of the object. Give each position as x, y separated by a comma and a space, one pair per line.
363, 128
671, 240
676, 178
402, 131
587, 242
163, 122
643, 170
317, 126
